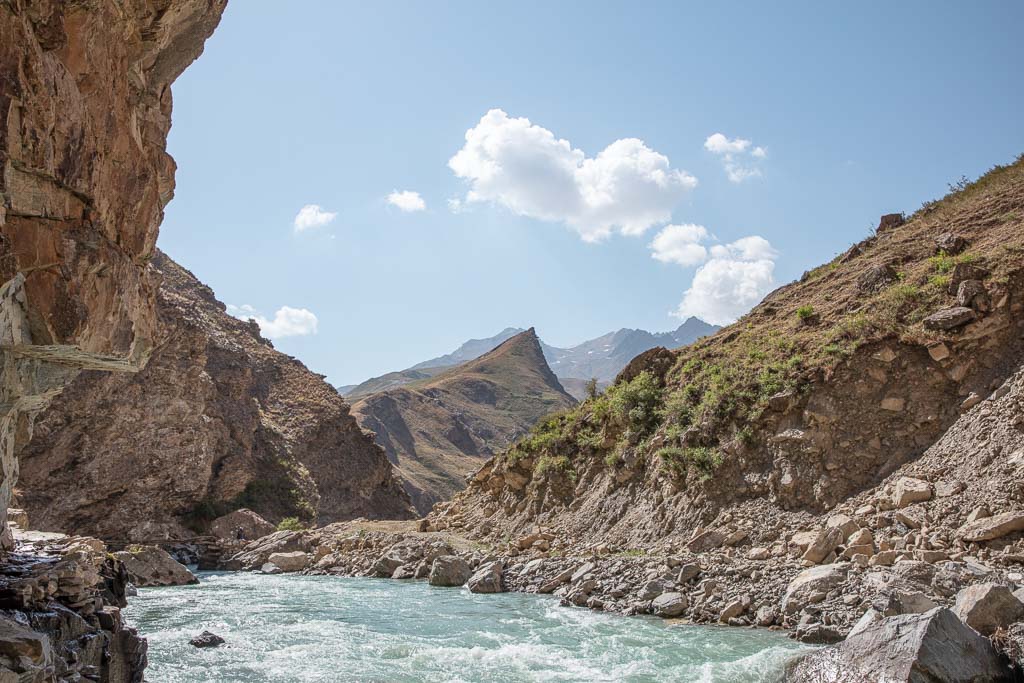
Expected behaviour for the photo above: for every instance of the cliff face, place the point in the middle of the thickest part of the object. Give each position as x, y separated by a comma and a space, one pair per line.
816, 397
85, 107
438, 430
216, 420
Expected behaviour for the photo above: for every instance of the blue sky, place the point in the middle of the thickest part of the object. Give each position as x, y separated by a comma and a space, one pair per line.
828, 115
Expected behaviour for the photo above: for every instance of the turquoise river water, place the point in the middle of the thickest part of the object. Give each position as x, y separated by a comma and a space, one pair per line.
317, 628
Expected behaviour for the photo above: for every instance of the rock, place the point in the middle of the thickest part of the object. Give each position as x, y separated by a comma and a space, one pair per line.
906, 520
910, 490
551, 585
270, 568
758, 554
938, 351
909, 648
669, 604
582, 571
806, 584
844, 523
487, 578
817, 634
152, 566
258, 552
731, 610
990, 528
765, 616
962, 272
883, 558
242, 525
449, 570
736, 537
986, 607
972, 294
876, 277
949, 318
892, 602
890, 221
972, 400
826, 541
950, 243
18, 517
206, 639
688, 572
860, 537
894, 404
294, 561
707, 540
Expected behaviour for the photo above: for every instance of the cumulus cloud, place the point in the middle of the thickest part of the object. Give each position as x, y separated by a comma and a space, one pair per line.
731, 278
680, 244
407, 201
287, 321
312, 216
514, 163
738, 156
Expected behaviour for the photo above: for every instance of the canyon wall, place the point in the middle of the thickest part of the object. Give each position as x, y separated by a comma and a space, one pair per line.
85, 108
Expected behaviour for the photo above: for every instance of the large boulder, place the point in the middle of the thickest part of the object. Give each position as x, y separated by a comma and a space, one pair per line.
149, 565
912, 648
487, 578
294, 561
990, 528
257, 553
670, 604
827, 540
910, 490
449, 570
241, 525
811, 583
986, 607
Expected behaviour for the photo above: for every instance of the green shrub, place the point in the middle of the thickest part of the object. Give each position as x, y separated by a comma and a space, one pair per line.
290, 524
805, 313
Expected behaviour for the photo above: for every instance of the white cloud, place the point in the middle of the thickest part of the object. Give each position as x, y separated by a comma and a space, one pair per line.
455, 205
287, 321
680, 244
513, 163
739, 163
312, 216
407, 201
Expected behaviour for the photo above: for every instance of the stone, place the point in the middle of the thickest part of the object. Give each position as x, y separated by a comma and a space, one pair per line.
736, 537
669, 604
582, 571
909, 648
890, 221
972, 294
906, 520
893, 404
844, 523
861, 537
487, 578
758, 554
910, 490
986, 607
808, 583
270, 568
241, 525
688, 572
962, 272
892, 602
990, 528
707, 540
949, 318
950, 243
206, 639
731, 610
824, 543
876, 277
938, 351
765, 616
883, 558
152, 566
449, 570
294, 561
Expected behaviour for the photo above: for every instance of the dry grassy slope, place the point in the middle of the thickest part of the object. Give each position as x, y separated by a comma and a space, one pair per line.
816, 395
438, 430
217, 420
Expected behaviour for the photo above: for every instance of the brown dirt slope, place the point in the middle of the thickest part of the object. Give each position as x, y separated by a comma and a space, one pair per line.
217, 420
817, 395
439, 430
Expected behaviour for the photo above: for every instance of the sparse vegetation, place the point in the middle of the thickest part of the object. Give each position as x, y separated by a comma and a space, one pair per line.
290, 524
805, 313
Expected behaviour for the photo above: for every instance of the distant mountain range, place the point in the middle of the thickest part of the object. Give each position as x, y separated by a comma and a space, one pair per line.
438, 429
601, 358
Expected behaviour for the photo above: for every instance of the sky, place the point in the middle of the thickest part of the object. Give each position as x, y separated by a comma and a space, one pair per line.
375, 183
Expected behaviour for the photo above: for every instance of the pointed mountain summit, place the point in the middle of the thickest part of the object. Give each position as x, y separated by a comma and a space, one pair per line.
437, 430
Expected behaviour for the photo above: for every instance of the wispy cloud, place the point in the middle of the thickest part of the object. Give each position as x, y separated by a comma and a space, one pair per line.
739, 156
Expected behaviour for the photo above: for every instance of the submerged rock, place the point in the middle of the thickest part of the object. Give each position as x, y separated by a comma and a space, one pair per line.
206, 639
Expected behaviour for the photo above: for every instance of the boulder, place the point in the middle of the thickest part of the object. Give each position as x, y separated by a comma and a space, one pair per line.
820, 579
449, 570
876, 277
950, 243
989, 528
962, 272
949, 318
910, 648
892, 602
258, 552
844, 523
294, 561
731, 611
972, 294
823, 545
910, 490
241, 525
890, 221
707, 540
669, 604
986, 607
206, 639
152, 566
487, 578
688, 572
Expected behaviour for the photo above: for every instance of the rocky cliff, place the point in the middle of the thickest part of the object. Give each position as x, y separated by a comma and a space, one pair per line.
438, 430
85, 107
814, 398
217, 420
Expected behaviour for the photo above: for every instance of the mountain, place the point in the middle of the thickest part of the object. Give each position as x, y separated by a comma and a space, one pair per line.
439, 429
217, 420
600, 358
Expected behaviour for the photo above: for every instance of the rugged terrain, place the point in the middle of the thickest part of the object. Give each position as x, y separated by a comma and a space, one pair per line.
601, 358
438, 430
217, 420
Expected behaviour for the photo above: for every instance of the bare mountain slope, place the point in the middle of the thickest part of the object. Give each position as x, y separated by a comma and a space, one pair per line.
438, 430
217, 420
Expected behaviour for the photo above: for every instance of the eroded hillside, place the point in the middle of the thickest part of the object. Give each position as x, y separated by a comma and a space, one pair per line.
438, 430
818, 394
217, 420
